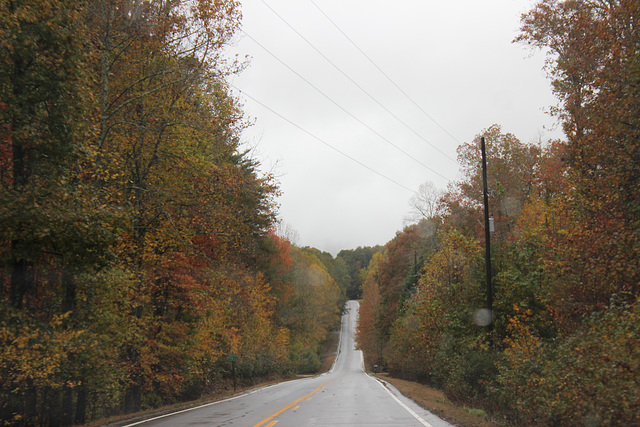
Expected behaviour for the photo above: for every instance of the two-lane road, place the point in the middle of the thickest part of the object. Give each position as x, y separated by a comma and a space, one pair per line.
345, 396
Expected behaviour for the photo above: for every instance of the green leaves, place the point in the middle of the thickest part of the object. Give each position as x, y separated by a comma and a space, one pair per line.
565, 252
127, 209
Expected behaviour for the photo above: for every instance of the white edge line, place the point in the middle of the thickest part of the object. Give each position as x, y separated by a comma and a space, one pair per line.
240, 395
411, 411
333, 365
203, 406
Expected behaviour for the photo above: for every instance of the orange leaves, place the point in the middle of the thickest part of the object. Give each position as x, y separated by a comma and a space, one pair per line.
594, 65
130, 205
589, 374
567, 270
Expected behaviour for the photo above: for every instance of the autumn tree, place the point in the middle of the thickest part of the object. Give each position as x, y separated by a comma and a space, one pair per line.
367, 338
593, 63
357, 260
511, 167
387, 285
167, 150
435, 339
132, 221
337, 268
43, 112
56, 230
566, 270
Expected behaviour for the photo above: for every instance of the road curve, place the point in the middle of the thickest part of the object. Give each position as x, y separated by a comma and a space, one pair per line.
345, 396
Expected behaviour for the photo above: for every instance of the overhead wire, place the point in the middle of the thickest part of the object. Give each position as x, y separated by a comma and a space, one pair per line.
383, 73
291, 122
341, 107
356, 84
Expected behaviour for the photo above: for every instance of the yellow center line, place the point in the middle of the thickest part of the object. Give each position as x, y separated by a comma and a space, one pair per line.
289, 406
272, 423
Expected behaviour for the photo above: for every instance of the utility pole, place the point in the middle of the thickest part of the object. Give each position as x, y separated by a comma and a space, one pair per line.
232, 357
487, 235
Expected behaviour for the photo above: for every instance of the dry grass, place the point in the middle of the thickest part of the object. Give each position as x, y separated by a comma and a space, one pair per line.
328, 357
331, 351
435, 401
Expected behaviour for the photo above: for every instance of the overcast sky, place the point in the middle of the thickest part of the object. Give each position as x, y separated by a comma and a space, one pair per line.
348, 147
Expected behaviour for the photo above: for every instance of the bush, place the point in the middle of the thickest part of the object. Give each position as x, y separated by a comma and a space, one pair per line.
588, 378
306, 362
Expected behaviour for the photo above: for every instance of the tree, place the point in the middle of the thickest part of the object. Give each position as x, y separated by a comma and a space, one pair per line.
357, 260
511, 169
424, 204
42, 81
132, 222
314, 309
388, 284
434, 339
594, 66
167, 154
367, 337
56, 227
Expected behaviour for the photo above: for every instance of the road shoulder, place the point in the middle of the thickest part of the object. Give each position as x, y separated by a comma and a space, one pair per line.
435, 401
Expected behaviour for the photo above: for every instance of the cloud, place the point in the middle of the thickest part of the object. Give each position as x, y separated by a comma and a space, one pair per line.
454, 59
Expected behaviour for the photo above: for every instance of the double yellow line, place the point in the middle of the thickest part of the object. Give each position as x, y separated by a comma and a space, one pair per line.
288, 407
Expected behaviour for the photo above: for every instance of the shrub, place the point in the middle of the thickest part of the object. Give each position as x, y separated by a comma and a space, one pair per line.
588, 378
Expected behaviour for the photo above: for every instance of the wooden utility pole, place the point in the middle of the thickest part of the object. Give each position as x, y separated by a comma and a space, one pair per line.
487, 234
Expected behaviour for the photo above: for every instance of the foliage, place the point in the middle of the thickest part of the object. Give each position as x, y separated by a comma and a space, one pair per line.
388, 282
357, 260
137, 246
562, 348
442, 343
585, 379
367, 338
593, 63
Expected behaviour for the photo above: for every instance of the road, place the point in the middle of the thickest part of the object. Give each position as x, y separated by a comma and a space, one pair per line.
345, 396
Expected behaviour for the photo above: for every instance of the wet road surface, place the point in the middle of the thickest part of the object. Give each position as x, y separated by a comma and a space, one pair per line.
345, 396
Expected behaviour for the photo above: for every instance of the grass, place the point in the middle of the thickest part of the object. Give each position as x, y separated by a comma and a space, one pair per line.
429, 398
435, 401
331, 351
328, 357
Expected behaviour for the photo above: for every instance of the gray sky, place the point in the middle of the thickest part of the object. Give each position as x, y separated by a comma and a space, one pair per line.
454, 59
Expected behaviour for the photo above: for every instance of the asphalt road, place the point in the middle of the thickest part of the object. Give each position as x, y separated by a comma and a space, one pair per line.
345, 396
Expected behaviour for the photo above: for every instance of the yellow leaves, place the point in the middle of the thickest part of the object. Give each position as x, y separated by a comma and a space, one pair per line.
35, 355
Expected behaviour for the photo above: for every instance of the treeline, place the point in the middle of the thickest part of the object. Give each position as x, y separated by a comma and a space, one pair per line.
564, 348
135, 233
356, 261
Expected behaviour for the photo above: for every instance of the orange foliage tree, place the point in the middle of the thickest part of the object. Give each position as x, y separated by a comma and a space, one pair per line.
593, 62
564, 348
136, 246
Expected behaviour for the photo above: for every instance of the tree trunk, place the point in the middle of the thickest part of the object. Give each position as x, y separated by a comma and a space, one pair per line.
22, 279
67, 407
81, 405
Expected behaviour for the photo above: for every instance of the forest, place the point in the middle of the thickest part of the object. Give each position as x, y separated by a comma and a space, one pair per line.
139, 257
562, 345
140, 263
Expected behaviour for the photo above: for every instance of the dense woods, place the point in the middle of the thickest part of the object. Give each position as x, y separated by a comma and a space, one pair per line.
136, 237
564, 346
139, 263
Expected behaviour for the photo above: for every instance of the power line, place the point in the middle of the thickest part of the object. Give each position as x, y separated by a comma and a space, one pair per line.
356, 84
321, 140
342, 108
383, 73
